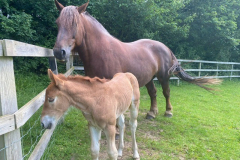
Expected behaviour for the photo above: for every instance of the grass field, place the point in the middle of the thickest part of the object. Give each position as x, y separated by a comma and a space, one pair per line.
203, 126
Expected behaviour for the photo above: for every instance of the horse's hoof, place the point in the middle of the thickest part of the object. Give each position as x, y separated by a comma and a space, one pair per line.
168, 114
150, 115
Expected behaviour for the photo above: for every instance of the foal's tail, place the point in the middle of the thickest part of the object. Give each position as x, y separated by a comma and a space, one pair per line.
178, 71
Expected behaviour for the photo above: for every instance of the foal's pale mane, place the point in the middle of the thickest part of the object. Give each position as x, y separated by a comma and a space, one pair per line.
79, 78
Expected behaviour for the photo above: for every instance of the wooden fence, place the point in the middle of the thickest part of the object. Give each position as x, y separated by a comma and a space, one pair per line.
11, 119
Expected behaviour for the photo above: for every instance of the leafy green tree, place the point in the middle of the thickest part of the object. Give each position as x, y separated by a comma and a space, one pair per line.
214, 30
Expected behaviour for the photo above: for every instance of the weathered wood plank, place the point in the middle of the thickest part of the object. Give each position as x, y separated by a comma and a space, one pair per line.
43, 142
8, 105
81, 68
15, 48
26, 112
7, 124
1, 48
69, 72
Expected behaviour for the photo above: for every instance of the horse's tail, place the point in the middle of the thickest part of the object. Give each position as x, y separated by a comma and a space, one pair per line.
178, 71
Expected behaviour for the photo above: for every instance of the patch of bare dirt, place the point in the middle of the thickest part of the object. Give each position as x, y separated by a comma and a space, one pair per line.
141, 133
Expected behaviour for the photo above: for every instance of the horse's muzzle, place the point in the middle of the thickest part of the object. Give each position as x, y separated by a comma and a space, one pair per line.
60, 54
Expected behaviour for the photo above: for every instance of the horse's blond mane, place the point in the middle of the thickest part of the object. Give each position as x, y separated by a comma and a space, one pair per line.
69, 16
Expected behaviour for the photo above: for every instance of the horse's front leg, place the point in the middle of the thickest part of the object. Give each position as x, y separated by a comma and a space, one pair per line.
110, 131
121, 126
152, 93
95, 134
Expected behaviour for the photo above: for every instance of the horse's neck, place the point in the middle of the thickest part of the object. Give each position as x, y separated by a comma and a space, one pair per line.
94, 33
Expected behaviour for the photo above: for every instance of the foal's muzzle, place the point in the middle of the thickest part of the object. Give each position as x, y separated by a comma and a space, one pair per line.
47, 122
59, 54
49, 126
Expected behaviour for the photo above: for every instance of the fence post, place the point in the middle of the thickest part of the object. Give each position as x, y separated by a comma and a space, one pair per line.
8, 105
178, 81
231, 73
200, 67
53, 64
69, 63
217, 69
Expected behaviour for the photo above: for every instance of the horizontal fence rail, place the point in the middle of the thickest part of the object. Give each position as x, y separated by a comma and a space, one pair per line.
200, 70
12, 118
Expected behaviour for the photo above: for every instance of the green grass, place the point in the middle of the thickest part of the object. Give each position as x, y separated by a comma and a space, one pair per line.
203, 126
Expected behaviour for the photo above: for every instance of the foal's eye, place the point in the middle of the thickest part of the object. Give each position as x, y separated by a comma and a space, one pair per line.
50, 100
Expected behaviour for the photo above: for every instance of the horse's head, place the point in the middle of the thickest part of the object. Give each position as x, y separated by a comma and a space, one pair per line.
70, 30
56, 101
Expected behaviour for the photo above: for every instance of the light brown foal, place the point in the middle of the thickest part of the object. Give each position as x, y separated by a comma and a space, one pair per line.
102, 103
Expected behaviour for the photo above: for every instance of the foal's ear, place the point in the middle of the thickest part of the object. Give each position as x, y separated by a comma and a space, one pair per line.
59, 5
57, 81
83, 7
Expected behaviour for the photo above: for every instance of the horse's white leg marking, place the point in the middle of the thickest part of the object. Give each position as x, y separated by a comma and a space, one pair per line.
95, 134
110, 131
133, 125
121, 125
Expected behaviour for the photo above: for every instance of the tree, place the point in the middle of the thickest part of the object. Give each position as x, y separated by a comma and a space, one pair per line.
214, 32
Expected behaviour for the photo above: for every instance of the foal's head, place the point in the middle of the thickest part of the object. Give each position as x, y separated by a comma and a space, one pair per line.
56, 102
70, 30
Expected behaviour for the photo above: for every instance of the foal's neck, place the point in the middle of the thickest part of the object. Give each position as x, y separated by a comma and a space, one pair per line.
81, 94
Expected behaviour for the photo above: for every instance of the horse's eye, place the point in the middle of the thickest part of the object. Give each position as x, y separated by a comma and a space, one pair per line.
50, 100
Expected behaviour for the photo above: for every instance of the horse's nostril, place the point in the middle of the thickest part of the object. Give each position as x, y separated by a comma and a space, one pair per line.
42, 125
63, 53
49, 126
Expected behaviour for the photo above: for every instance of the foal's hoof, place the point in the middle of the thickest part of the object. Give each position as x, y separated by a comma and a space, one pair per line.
168, 114
150, 115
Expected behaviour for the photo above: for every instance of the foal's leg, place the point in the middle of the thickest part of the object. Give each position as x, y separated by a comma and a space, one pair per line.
110, 131
152, 93
133, 125
166, 93
121, 126
95, 137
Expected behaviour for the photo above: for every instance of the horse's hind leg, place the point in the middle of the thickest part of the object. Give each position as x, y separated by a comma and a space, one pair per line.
152, 93
121, 126
166, 93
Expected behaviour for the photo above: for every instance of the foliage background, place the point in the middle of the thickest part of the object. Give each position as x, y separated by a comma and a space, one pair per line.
192, 29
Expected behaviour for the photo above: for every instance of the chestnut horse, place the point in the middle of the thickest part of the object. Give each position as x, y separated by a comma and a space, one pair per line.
103, 55
101, 101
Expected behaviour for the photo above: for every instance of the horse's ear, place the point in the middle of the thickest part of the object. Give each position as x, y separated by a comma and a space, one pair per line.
57, 81
59, 5
83, 7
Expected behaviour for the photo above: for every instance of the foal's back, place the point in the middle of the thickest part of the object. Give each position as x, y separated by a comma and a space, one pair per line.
114, 99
